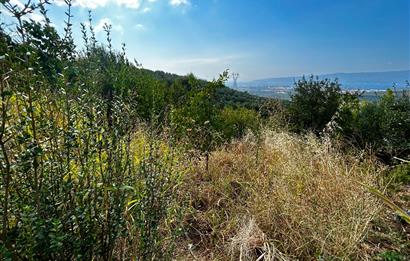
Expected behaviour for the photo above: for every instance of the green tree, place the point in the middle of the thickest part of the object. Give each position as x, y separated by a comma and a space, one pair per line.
197, 120
314, 103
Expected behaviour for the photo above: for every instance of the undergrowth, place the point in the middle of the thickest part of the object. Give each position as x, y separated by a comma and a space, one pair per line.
299, 199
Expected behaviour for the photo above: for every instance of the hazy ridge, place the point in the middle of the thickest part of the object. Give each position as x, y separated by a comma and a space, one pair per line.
362, 81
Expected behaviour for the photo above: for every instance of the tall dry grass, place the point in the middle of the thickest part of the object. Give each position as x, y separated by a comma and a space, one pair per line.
283, 197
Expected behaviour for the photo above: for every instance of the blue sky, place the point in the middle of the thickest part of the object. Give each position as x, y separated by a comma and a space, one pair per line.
256, 38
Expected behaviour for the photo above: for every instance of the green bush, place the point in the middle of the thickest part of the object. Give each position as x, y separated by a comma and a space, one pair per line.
233, 123
314, 103
382, 126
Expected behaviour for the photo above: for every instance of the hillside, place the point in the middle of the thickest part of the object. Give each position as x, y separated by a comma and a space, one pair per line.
101, 159
225, 96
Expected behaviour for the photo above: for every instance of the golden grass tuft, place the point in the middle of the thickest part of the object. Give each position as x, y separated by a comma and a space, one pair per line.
286, 197
250, 243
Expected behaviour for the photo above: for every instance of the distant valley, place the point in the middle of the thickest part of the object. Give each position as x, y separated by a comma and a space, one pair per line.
370, 82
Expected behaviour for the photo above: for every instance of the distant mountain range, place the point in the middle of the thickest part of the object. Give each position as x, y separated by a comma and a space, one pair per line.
368, 81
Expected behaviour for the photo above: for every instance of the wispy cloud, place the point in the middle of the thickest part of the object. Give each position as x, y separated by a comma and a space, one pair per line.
93, 4
205, 67
130, 3
139, 27
179, 2
206, 60
35, 16
135, 4
100, 26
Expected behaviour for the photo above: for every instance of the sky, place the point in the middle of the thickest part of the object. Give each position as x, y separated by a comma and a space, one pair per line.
255, 38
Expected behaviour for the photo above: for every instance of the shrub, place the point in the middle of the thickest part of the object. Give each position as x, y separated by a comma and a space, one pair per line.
156, 209
68, 170
196, 121
314, 103
233, 123
383, 126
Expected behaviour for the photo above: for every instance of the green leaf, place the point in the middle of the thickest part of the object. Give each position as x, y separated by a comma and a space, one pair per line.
403, 214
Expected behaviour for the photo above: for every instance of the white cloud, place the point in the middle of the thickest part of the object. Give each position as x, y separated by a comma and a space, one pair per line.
20, 5
139, 27
129, 3
100, 26
179, 2
93, 4
36, 17
143, 5
32, 15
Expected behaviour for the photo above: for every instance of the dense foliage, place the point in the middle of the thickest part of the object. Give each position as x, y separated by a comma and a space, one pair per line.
74, 184
314, 103
382, 125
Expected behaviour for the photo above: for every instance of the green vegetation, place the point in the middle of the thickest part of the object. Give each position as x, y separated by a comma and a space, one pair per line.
382, 126
101, 159
314, 103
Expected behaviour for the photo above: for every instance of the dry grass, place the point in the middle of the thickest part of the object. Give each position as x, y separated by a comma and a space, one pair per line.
286, 198
251, 243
